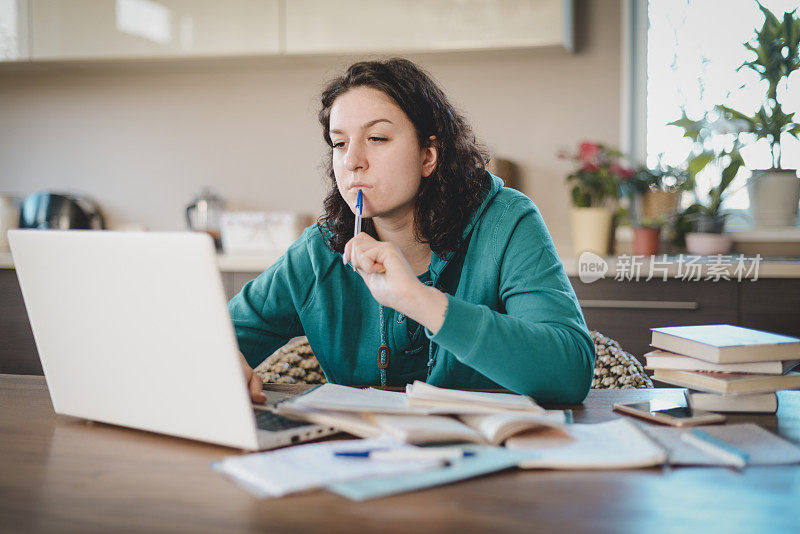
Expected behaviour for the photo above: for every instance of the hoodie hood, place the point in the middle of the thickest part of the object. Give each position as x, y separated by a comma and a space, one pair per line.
438, 263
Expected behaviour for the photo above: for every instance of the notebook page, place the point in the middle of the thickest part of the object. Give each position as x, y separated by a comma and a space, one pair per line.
491, 426
617, 444
763, 447
305, 467
350, 399
511, 401
425, 428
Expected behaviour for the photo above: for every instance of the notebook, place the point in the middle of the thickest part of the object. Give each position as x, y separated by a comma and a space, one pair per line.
313, 466
616, 444
485, 459
762, 447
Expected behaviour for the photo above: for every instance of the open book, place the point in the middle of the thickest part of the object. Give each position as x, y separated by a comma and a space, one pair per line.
492, 428
417, 416
419, 429
334, 397
442, 400
420, 398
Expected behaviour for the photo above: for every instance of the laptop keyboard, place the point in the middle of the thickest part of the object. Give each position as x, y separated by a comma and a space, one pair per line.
274, 422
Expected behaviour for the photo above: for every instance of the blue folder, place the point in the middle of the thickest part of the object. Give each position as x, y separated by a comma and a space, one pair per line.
487, 459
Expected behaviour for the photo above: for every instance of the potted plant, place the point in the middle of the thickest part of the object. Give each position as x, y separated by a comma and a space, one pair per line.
700, 227
594, 195
646, 235
661, 189
775, 192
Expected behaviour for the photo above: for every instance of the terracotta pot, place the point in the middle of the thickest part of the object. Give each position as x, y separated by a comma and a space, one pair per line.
591, 230
645, 241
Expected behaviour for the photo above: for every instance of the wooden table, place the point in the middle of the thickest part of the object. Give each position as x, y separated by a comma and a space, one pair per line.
61, 474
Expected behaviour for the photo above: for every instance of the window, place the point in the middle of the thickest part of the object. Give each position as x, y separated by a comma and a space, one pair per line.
694, 48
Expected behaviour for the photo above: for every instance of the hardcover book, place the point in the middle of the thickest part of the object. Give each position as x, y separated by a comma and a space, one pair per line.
662, 359
714, 402
728, 383
724, 343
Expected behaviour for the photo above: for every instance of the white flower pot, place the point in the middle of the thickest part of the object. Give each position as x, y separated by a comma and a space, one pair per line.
591, 230
700, 244
774, 196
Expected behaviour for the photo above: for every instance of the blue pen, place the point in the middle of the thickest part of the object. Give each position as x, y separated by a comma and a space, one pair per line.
416, 453
359, 209
716, 447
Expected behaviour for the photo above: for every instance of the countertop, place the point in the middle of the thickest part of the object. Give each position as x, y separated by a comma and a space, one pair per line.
623, 266
228, 263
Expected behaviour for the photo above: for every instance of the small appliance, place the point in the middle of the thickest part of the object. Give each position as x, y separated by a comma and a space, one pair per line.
62, 211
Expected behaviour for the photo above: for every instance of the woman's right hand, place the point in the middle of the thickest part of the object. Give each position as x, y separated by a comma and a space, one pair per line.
253, 381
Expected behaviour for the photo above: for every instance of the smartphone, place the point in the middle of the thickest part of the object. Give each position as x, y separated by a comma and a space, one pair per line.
669, 413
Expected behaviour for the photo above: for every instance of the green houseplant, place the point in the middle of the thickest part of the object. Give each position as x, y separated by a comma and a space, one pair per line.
705, 215
775, 192
653, 195
594, 192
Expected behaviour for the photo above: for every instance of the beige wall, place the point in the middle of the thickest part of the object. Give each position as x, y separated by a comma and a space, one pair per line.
144, 138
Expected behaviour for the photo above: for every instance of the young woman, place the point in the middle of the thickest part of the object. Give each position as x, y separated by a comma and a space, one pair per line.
454, 279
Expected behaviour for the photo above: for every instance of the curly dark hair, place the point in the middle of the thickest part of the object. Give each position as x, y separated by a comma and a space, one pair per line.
447, 199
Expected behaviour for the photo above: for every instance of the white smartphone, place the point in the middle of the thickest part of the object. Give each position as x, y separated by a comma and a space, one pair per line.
669, 413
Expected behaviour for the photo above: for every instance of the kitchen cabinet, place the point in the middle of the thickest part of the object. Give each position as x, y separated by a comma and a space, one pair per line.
120, 29
771, 304
626, 310
18, 354
54, 30
352, 26
622, 310
17, 350
14, 28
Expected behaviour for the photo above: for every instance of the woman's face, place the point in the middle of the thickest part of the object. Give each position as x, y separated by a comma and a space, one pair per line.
375, 149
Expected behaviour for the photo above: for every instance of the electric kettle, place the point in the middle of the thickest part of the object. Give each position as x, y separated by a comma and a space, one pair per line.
203, 215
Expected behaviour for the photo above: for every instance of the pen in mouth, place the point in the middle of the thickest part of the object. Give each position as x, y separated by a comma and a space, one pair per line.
359, 210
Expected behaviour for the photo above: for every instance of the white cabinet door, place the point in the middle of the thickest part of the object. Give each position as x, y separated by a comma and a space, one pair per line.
81, 29
322, 26
13, 30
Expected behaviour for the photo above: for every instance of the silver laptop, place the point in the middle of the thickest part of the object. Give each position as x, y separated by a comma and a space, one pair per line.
132, 329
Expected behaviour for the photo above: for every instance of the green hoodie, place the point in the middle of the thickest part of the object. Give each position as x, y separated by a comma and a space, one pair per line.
512, 321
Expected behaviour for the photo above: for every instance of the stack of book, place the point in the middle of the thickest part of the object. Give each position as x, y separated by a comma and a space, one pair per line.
726, 368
